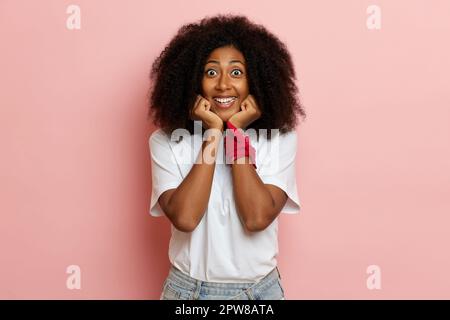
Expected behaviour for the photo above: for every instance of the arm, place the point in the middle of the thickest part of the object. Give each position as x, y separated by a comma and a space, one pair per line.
258, 204
186, 205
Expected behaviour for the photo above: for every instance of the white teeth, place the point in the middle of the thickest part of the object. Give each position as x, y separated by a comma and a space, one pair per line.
224, 100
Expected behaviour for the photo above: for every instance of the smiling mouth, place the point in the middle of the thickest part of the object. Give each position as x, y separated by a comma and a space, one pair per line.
224, 103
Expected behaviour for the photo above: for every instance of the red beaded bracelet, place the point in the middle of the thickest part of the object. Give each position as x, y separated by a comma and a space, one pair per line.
241, 143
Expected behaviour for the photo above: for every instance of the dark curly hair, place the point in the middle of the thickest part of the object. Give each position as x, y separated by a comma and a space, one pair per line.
177, 73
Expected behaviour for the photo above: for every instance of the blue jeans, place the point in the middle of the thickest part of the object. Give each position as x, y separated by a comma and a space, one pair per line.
179, 286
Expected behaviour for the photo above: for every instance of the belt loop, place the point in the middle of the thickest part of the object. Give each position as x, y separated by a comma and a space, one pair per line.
198, 286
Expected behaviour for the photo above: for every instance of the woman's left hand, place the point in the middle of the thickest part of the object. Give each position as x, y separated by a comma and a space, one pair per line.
249, 113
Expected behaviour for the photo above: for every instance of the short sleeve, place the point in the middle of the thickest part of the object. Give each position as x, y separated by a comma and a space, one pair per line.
165, 172
279, 168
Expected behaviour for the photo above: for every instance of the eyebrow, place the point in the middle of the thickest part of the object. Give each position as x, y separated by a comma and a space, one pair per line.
231, 61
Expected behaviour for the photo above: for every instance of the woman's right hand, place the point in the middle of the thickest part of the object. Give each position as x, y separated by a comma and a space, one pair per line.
202, 111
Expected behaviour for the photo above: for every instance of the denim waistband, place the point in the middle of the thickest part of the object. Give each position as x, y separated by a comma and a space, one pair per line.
183, 279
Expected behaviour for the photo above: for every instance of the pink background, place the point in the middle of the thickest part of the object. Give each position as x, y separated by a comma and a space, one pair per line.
373, 161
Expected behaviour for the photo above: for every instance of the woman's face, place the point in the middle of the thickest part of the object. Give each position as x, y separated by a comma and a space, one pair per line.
224, 82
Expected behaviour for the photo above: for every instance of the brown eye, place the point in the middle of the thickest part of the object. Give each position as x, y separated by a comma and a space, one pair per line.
210, 72
236, 72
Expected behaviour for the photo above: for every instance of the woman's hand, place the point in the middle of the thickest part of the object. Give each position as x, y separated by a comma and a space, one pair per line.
202, 111
249, 113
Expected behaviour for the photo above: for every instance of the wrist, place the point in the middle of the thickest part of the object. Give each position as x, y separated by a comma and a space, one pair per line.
218, 127
233, 124
237, 145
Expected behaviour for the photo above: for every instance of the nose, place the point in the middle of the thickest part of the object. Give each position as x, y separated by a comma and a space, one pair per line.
223, 82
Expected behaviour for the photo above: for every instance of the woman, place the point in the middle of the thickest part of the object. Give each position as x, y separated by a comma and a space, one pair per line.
215, 79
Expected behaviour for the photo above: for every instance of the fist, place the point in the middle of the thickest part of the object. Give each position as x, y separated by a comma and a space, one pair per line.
249, 112
202, 111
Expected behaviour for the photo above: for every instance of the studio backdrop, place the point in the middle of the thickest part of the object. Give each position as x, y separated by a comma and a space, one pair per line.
373, 160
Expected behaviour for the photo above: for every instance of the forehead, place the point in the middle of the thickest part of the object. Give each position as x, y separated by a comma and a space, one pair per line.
226, 54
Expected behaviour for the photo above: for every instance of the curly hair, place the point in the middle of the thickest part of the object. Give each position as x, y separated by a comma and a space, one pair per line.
177, 73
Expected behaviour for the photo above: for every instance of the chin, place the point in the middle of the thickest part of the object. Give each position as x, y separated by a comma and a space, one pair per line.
226, 114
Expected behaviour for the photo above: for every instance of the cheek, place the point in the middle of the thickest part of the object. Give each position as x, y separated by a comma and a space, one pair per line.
206, 87
243, 89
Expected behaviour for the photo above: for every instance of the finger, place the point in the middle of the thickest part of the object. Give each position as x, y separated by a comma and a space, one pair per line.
198, 100
192, 111
251, 99
205, 104
251, 102
253, 105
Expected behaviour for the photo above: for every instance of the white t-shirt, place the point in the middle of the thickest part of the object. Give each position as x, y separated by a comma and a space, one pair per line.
220, 249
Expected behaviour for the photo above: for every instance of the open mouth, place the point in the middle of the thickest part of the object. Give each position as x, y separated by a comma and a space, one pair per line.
224, 102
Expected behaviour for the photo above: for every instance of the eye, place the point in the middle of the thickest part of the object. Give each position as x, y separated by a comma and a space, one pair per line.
239, 72
210, 72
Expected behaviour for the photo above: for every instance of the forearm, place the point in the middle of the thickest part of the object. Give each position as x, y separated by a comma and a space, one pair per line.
190, 200
253, 199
